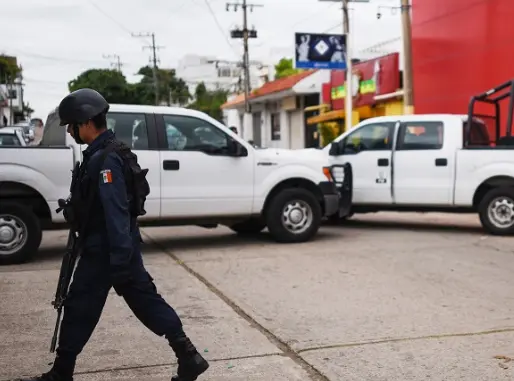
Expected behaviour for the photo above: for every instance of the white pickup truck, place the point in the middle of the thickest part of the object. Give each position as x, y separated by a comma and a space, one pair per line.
430, 163
200, 173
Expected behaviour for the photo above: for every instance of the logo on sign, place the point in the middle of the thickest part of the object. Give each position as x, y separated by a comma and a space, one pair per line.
322, 47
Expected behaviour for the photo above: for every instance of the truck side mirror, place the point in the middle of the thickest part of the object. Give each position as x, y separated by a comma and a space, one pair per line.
336, 148
236, 149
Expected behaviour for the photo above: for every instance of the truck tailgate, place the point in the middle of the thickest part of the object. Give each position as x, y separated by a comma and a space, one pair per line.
47, 170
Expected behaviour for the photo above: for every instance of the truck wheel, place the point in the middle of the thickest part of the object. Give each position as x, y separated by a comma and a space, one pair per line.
251, 226
496, 211
20, 234
293, 215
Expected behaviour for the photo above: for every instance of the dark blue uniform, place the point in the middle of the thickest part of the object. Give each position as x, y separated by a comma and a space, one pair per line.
111, 258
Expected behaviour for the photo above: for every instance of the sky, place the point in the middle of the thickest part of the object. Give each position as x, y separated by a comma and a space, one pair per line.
56, 40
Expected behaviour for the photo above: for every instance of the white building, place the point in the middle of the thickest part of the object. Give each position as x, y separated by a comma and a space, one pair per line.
11, 103
216, 73
279, 110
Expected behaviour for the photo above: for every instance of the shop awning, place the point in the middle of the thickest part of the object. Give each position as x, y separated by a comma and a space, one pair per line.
364, 112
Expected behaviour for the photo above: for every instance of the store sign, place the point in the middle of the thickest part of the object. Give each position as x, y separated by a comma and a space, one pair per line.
320, 51
371, 78
359, 88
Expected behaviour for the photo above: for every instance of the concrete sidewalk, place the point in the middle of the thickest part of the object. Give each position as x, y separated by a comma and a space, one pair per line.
384, 298
121, 347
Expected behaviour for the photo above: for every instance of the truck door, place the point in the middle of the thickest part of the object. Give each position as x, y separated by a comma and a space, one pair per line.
369, 151
199, 177
423, 165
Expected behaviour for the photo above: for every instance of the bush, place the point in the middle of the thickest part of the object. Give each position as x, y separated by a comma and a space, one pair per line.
328, 131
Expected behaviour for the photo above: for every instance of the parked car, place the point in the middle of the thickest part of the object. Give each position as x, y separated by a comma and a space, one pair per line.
200, 173
12, 137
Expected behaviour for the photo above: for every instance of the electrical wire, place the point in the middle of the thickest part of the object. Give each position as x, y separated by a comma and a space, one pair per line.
220, 28
309, 17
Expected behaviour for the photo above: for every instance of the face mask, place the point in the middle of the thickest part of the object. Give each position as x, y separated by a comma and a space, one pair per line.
76, 135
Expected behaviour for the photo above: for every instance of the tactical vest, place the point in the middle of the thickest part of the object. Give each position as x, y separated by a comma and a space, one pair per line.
136, 183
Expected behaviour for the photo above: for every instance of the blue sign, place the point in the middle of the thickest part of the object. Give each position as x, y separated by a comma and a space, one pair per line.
320, 51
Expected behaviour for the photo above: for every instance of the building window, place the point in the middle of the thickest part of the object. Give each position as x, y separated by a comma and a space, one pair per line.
275, 126
224, 72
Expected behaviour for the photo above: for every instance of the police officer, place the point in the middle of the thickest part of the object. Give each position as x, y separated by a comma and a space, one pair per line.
111, 255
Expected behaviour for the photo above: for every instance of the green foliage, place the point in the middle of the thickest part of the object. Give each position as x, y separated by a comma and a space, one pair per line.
285, 68
328, 131
110, 83
8, 68
209, 102
114, 86
172, 90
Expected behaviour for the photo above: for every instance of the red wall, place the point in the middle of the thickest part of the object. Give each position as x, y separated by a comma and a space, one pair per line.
460, 48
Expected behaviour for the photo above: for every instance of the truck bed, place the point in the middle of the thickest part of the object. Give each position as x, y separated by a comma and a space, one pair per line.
46, 169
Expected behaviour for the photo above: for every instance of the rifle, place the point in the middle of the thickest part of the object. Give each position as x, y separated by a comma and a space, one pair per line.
69, 261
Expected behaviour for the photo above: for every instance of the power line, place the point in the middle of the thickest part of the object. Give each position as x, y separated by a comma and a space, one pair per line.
245, 34
117, 61
308, 18
120, 25
154, 59
220, 28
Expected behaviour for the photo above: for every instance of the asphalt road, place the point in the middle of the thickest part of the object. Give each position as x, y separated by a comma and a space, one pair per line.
387, 297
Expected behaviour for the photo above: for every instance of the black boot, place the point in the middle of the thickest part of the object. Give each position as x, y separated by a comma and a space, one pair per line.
49, 376
62, 370
190, 363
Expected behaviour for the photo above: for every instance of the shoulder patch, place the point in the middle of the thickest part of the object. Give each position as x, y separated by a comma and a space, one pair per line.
106, 176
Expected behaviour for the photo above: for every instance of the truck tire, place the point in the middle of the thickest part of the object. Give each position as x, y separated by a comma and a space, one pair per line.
293, 215
496, 211
20, 234
248, 227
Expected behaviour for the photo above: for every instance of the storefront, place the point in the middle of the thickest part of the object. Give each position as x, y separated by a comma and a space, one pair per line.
376, 92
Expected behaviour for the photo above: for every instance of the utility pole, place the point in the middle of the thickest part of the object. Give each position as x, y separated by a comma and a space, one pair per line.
408, 85
348, 97
245, 34
117, 61
154, 59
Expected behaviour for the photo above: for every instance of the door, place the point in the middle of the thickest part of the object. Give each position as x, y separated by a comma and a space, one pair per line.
256, 128
137, 130
424, 167
369, 151
199, 178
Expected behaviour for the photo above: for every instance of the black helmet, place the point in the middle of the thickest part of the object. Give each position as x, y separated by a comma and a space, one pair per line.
80, 106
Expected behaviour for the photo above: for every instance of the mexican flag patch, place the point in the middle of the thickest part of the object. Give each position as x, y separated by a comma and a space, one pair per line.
106, 176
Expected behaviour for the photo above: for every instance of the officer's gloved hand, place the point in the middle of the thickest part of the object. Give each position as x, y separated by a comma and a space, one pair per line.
120, 278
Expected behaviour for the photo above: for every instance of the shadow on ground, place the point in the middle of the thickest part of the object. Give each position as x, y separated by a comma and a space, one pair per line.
429, 227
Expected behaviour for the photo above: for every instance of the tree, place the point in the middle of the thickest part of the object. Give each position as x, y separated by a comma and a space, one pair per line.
114, 87
209, 101
172, 90
110, 83
285, 68
9, 70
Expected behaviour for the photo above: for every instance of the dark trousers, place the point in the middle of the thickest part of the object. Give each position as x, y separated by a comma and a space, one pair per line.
88, 293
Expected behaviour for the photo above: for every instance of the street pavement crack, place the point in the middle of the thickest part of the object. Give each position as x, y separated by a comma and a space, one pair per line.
406, 339
313, 372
